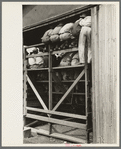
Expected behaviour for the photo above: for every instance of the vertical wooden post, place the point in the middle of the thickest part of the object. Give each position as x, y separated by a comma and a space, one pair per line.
86, 91
95, 59
24, 86
50, 85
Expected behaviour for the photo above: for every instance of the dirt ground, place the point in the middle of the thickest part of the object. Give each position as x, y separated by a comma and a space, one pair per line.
41, 139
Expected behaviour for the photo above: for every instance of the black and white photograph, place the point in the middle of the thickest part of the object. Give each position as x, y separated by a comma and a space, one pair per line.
70, 73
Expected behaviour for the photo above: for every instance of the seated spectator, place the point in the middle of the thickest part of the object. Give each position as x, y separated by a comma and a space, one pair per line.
66, 60
65, 32
46, 36
75, 59
31, 50
55, 33
86, 21
76, 27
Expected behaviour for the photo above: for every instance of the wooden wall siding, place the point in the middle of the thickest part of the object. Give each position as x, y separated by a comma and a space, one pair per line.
104, 69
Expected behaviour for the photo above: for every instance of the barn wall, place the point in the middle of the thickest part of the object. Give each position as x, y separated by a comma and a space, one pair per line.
104, 69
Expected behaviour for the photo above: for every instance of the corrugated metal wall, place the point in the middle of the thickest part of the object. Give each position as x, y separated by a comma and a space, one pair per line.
104, 69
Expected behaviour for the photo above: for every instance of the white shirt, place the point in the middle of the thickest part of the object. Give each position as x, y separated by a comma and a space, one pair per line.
66, 28
31, 61
39, 60
29, 50
86, 21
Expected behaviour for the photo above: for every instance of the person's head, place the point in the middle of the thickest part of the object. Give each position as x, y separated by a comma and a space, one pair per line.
36, 50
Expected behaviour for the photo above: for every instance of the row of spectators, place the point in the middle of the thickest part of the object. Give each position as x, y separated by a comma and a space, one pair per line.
63, 59
63, 34
68, 31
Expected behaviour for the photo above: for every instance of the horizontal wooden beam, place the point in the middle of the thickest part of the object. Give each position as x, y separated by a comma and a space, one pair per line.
59, 136
35, 45
69, 90
54, 52
37, 55
70, 93
57, 113
65, 67
57, 121
65, 50
32, 123
38, 69
36, 93
70, 81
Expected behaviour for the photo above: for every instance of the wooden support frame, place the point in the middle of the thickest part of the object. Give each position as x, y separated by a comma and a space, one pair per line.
57, 121
57, 113
69, 90
50, 111
36, 93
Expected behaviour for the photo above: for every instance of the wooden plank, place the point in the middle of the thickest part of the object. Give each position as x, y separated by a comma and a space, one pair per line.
101, 59
35, 45
36, 93
37, 69
58, 135
32, 123
24, 86
56, 121
37, 55
104, 129
50, 79
114, 72
86, 87
54, 52
27, 132
94, 47
70, 81
97, 91
86, 93
65, 51
70, 93
109, 49
66, 67
69, 90
69, 138
105, 52
50, 85
57, 113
